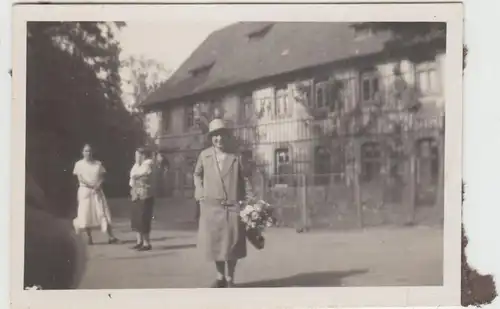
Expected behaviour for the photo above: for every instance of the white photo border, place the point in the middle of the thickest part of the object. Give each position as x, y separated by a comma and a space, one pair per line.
446, 295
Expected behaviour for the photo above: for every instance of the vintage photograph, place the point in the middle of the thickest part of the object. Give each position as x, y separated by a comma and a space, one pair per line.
193, 154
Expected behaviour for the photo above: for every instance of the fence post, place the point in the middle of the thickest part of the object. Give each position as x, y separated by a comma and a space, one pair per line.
439, 201
264, 186
410, 200
356, 182
413, 187
304, 213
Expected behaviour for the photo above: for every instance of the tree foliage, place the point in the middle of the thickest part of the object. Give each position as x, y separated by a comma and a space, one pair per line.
145, 76
407, 33
73, 98
411, 33
141, 77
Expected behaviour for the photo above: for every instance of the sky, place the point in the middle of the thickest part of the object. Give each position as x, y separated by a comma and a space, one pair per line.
168, 42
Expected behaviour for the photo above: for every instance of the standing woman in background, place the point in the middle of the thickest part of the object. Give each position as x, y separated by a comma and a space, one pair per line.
93, 210
142, 193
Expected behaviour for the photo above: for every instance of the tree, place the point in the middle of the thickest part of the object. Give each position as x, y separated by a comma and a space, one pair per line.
74, 97
408, 34
143, 77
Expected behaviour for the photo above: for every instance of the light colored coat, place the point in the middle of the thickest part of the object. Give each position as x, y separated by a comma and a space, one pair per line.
142, 180
221, 234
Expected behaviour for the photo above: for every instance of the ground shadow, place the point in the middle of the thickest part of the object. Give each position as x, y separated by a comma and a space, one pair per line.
177, 226
133, 241
315, 279
174, 247
143, 255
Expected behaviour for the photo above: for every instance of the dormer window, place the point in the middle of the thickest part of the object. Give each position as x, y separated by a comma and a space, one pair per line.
202, 69
362, 33
259, 33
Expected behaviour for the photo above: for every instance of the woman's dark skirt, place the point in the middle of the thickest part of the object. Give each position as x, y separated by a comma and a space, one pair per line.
142, 215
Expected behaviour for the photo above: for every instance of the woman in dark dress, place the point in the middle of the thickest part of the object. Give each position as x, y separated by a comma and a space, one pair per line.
142, 193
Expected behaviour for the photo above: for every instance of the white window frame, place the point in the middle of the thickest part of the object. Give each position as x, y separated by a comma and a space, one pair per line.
371, 77
426, 68
309, 95
326, 88
342, 103
264, 106
247, 109
282, 102
278, 164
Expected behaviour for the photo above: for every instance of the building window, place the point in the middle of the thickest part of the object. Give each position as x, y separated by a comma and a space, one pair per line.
322, 166
246, 107
264, 107
369, 87
428, 161
303, 92
189, 118
340, 93
371, 161
260, 32
202, 69
282, 165
247, 161
331, 95
166, 118
427, 79
321, 94
282, 107
362, 33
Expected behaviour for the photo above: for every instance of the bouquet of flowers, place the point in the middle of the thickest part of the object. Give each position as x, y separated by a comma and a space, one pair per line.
256, 215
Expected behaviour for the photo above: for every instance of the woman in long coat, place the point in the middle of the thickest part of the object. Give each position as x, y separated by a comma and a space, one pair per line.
219, 186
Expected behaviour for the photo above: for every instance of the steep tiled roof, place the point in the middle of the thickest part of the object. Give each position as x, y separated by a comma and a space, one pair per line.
249, 51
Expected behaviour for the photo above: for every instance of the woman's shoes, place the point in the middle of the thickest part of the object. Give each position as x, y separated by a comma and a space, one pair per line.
141, 247
136, 247
223, 283
219, 283
145, 248
113, 240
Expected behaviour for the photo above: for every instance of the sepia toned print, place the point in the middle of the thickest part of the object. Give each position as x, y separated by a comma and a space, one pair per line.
256, 154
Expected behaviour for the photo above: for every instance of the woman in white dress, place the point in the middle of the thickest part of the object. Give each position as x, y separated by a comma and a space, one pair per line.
93, 210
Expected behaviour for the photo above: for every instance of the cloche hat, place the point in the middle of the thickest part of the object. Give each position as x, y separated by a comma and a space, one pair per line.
216, 125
